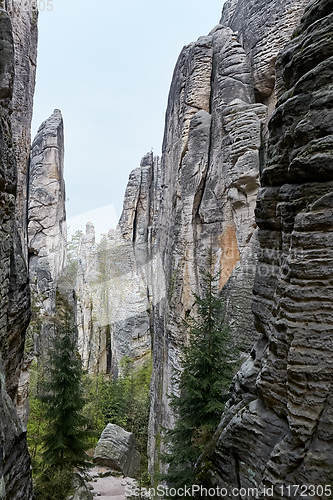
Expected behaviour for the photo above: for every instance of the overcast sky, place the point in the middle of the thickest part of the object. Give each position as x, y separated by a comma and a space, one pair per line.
107, 64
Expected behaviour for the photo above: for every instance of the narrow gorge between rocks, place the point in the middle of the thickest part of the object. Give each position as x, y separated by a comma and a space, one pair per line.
243, 188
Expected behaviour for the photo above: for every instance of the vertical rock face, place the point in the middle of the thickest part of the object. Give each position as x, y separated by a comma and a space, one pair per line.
24, 17
112, 305
47, 220
221, 97
114, 301
278, 427
46, 243
15, 477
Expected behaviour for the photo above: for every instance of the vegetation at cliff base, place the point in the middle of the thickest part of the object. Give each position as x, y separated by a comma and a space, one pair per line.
94, 401
57, 432
207, 369
123, 401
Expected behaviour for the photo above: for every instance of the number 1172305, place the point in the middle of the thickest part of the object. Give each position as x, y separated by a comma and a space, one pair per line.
306, 490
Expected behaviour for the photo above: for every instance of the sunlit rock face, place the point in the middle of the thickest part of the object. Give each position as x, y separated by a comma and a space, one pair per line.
15, 474
278, 427
221, 97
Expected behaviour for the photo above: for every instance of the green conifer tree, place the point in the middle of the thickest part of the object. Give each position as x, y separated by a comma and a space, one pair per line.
65, 440
207, 370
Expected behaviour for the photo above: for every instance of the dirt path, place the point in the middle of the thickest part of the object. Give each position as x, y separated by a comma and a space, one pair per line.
105, 486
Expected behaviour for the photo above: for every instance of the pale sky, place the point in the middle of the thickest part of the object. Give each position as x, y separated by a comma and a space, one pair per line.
108, 64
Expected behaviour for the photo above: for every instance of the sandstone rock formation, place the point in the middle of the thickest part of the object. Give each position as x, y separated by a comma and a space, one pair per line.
47, 221
15, 475
112, 305
278, 428
117, 449
113, 298
47, 243
204, 193
24, 17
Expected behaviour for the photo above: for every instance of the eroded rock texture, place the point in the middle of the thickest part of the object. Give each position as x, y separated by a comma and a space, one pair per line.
47, 222
24, 17
278, 428
15, 476
46, 243
221, 97
112, 299
116, 449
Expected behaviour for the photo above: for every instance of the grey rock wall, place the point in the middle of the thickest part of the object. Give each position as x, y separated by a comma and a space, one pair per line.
112, 304
278, 429
221, 97
115, 278
15, 475
46, 220
46, 243
24, 17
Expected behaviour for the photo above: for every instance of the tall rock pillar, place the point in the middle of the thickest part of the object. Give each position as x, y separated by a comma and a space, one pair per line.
47, 220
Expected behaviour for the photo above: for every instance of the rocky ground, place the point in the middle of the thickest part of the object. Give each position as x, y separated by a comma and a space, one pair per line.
106, 484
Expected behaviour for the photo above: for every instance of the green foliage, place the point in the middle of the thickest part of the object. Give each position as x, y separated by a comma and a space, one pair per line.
37, 424
73, 246
57, 432
71, 269
34, 327
207, 370
123, 401
54, 484
62, 394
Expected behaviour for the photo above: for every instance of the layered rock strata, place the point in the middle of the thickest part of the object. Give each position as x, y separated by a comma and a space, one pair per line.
221, 97
116, 449
15, 475
278, 428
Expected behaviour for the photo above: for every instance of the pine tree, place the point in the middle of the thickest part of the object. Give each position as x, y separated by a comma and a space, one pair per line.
207, 370
65, 440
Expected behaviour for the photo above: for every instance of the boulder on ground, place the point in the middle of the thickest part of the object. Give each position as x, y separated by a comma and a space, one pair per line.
117, 449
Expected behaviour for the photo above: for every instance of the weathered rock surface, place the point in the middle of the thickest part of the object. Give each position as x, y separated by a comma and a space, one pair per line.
15, 475
24, 16
47, 220
111, 287
117, 449
278, 428
81, 490
112, 317
46, 242
204, 193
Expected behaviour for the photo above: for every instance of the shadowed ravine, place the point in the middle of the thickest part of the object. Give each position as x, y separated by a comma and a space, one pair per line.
244, 182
